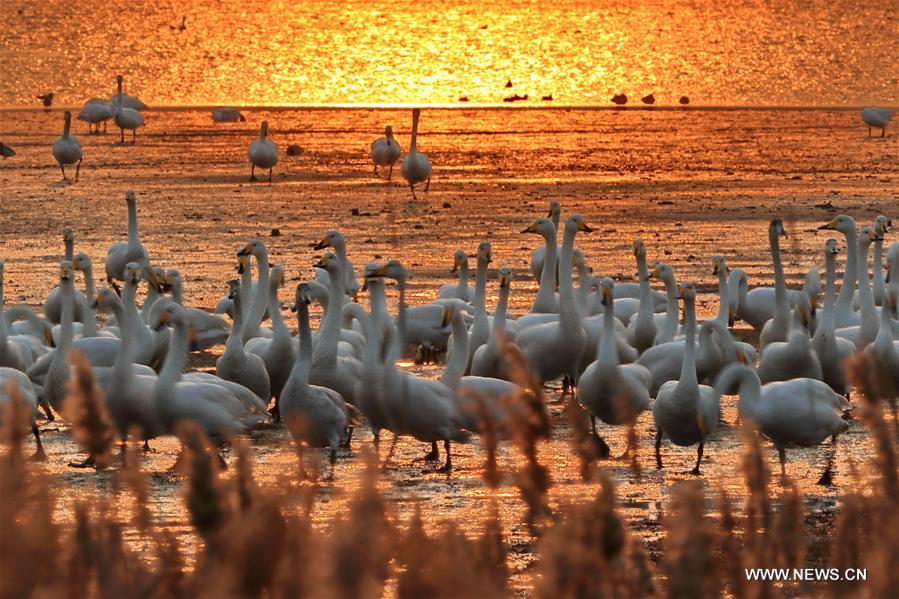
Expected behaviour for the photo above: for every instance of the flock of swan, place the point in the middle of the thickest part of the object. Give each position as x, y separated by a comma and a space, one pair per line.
620, 348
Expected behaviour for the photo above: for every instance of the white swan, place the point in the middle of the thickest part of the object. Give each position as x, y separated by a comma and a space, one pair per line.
665, 360
641, 331
227, 115
416, 168
489, 360
278, 353
885, 351
124, 116
128, 101
13, 352
316, 416
832, 350
794, 358
546, 301
262, 153
612, 392
237, 365
720, 269
668, 330
53, 303
94, 112
207, 330
878, 118
843, 312
554, 349
255, 313
778, 327
685, 411
248, 288
882, 225
122, 252
480, 328
537, 256
67, 149
460, 290
800, 412
335, 239
385, 151
12, 378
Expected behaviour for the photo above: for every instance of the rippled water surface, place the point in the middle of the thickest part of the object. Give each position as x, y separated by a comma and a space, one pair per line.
717, 52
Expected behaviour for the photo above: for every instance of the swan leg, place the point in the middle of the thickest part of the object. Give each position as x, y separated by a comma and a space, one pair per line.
275, 410
390, 452
77, 170
253, 172
883, 131
448, 465
332, 461
659, 449
85, 463
695, 469
104, 128
49, 413
428, 185
133, 136
412, 187
269, 175
826, 479
378, 175
146, 447
349, 437
390, 173
122, 138
63, 169
39, 454
431, 456
782, 456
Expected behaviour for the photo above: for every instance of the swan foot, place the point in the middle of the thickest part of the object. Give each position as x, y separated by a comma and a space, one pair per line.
389, 457
826, 479
85, 463
349, 436
658, 447
428, 185
146, 447
695, 471
77, 170
448, 465
600, 447
39, 454
275, 411
48, 412
253, 178
269, 176
431, 456
390, 173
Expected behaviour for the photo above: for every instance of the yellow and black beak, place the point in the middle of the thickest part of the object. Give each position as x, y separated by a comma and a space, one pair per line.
582, 226
322, 244
322, 262
532, 228
246, 251
829, 226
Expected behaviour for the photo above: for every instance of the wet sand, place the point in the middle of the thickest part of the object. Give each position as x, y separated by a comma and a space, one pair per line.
691, 184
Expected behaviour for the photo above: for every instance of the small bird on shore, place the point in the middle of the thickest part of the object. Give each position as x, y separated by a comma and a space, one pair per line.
6, 151
684, 100
876, 117
227, 115
46, 99
509, 83
650, 99
619, 99
263, 153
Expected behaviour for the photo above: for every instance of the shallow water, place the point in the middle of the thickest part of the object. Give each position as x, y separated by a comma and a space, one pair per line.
691, 184
717, 52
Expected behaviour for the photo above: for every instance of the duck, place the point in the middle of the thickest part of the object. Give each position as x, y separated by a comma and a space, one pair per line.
795, 358
67, 149
616, 394
685, 411
416, 167
121, 253
236, 364
94, 112
335, 240
227, 115
278, 352
554, 349
800, 412
262, 153
460, 290
832, 350
385, 151
539, 253
125, 116
877, 118
641, 331
316, 416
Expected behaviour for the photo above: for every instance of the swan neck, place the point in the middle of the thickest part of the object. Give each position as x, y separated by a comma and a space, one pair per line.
866, 300
850, 275
499, 316
414, 144
66, 128
90, 324
688, 367
568, 314
175, 358
260, 302
463, 275
279, 327
329, 330
236, 336
68, 313
303, 362
723, 299
480, 289
133, 237
126, 354
455, 368
546, 290
608, 345
70, 249
781, 304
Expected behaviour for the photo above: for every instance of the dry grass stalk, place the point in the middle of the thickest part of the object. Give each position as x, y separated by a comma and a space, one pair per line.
85, 408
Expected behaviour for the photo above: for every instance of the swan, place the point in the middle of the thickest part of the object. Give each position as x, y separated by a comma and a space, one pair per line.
263, 153
237, 365
537, 256
248, 288
778, 327
685, 411
82, 262
668, 330
14, 353
832, 350
891, 280
843, 312
882, 225
885, 352
546, 301
554, 349
22, 321
460, 290
416, 168
255, 313
720, 269
334, 239
94, 112
328, 368
208, 330
10, 378
801, 412
480, 328
641, 331
67, 149
227, 115
665, 361
495, 393
878, 118
795, 358
278, 353
316, 416
385, 151
128, 101
122, 252
612, 392
124, 116
53, 303
423, 409
737, 290
489, 360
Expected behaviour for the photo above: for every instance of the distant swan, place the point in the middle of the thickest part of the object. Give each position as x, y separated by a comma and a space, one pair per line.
263, 153
385, 151
227, 115
94, 112
416, 167
126, 117
877, 117
67, 149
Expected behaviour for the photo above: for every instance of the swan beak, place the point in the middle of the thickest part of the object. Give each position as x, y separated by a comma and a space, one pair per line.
532, 228
321, 244
503, 281
98, 301
163, 320
655, 274
731, 317
48, 337
606, 296
682, 292
246, 251
582, 226
322, 262
447, 317
455, 268
76, 262
241, 264
814, 303
151, 277
830, 226
191, 334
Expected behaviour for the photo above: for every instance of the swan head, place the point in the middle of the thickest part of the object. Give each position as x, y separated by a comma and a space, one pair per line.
394, 269
607, 291
505, 277
804, 311
843, 223
867, 236
370, 274
254, 247
331, 239
687, 291
81, 261
460, 258
555, 209
171, 280
542, 226
68, 234
243, 262
133, 273
130, 197
328, 262
105, 297
171, 314
638, 248
776, 229
719, 265
388, 132
577, 259
263, 129
830, 247
119, 79
68, 117
277, 275
303, 296
883, 224
575, 223
233, 289
485, 252
451, 308
66, 271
